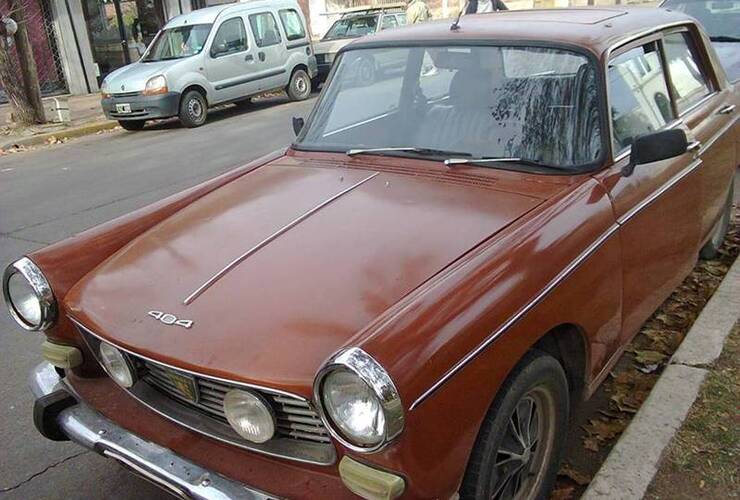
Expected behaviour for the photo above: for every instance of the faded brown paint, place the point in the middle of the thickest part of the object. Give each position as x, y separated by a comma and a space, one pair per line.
418, 266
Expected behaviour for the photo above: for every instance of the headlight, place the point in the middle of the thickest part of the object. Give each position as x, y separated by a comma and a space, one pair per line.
28, 295
104, 90
156, 85
116, 365
249, 415
358, 401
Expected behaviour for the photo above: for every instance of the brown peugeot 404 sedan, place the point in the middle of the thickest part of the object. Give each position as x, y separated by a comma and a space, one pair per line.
411, 298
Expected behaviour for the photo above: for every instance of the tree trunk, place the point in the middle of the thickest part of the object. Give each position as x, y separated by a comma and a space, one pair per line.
27, 62
21, 109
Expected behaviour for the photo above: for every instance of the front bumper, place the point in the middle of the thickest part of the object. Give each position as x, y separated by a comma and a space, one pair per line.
90, 429
142, 107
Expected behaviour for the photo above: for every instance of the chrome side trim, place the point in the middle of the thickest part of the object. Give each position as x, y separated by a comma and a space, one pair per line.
665, 187
190, 298
163, 467
518, 315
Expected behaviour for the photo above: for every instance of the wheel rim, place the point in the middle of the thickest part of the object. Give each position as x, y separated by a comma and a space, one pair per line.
301, 85
525, 449
195, 108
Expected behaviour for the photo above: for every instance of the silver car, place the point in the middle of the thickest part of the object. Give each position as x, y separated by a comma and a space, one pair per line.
213, 56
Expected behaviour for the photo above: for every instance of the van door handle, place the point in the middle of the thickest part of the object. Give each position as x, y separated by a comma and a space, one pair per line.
694, 146
261, 55
726, 110
249, 58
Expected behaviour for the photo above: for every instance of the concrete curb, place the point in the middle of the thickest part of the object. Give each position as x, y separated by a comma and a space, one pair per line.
72, 132
634, 460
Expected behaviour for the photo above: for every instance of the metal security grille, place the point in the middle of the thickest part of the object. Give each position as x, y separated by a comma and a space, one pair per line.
40, 26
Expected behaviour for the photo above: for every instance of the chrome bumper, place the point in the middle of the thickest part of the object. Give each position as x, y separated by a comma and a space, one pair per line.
90, 429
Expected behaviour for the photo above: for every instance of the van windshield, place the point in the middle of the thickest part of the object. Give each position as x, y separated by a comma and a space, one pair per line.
352, 27
177, 43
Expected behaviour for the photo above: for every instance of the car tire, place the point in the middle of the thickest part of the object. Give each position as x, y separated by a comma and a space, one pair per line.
132, 125
193, 109
518, 449
299, 87
710, 250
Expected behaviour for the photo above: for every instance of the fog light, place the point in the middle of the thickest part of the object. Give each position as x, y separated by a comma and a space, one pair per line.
116, 365
249, 415
370, 483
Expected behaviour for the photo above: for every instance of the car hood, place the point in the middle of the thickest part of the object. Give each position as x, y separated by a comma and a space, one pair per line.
301, 256
133, 77
330, 46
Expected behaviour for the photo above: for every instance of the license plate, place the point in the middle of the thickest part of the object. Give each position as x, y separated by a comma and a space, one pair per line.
123, 108
185, 384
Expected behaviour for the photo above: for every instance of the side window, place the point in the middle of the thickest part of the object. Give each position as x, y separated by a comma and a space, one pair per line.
690, 84
265, 29
638, 95
292, 24
401, 18
389, 21
230, 38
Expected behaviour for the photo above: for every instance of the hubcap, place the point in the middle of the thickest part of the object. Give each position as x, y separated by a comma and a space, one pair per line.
300, 85
525, 449
195, 108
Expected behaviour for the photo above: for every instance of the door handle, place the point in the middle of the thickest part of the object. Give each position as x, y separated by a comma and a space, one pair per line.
261, 55
693, 146
726, 110
249, 58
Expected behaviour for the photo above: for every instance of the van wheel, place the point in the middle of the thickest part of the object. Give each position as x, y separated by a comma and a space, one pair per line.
193, 109
711, 249
132, 125
299, 87
518, 449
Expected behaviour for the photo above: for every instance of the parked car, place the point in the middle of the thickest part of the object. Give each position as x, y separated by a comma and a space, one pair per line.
411, 299
350, 26
721, 20
213, 56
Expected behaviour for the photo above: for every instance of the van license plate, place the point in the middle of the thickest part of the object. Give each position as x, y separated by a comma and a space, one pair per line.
123, 108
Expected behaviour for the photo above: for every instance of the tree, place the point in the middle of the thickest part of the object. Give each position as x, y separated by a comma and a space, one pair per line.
18, 74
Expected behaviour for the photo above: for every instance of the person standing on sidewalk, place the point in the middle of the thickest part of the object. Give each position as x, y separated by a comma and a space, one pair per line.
481, 6
417, 12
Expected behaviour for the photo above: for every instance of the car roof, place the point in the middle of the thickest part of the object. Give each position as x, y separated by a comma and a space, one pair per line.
595, 29
209, 15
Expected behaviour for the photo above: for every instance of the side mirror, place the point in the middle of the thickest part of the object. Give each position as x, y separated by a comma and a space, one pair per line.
655, 147
298, 125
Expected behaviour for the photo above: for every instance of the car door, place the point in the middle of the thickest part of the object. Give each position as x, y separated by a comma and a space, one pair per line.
656, 205
271, 55
707, 111
229, 63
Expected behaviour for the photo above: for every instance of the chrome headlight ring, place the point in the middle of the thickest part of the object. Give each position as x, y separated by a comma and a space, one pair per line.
364, 366
41, 289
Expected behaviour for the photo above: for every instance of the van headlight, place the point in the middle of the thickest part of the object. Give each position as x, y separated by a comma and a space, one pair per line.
156, 85
28, 296
358, 401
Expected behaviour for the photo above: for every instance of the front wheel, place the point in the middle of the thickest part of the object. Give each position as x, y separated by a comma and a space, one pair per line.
517, 452
711, 249
132, 125
299, 87
193, 109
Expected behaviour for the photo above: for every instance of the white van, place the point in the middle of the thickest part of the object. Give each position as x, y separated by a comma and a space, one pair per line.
213, 56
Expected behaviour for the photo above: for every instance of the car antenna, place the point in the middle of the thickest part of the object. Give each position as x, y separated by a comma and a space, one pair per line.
456, 24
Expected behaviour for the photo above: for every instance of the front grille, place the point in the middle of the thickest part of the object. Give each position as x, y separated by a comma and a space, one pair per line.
295, 417
126, 94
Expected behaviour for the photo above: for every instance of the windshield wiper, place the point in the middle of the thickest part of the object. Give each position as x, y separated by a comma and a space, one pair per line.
418, 151
724, 38
451, 162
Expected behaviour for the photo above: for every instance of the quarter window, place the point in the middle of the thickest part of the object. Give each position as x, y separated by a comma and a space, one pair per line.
265, 29
638, 95
230, 38
690, 84
292, 24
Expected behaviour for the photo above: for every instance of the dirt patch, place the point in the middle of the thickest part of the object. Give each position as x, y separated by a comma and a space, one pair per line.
703, 459
598, 423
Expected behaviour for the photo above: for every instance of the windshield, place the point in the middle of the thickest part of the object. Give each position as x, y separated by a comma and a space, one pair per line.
352, 27
721, 20
176, 43
536, 104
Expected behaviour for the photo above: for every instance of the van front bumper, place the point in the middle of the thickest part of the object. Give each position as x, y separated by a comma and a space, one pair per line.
142, 107
59, 415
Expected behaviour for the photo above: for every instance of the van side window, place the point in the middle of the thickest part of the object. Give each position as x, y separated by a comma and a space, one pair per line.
690, 83
292, 24
389, 21
638, 95
230, 38
265, 29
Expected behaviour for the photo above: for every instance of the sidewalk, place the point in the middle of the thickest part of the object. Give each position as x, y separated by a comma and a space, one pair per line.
85, 111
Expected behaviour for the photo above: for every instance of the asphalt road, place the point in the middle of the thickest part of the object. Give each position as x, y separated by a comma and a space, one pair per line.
57, 191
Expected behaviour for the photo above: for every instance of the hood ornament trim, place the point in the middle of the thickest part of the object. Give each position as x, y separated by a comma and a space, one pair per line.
170, 319
213, 279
